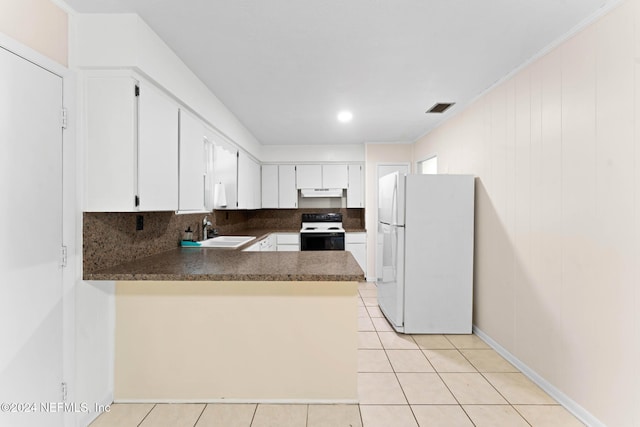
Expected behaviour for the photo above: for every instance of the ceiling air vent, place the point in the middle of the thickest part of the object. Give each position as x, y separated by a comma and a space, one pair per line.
440, 107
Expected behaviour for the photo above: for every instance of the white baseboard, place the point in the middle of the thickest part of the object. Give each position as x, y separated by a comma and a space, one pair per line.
564, 400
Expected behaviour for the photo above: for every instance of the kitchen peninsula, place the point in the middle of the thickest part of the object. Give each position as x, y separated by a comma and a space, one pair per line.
206, 325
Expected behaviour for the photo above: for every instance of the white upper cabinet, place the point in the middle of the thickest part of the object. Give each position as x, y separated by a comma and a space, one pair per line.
335, 176
157, 150
225, 171
270, 187
322, 176
249, 190
279, 187
287, 190
309, 176
355, 191
192, 163
132, 146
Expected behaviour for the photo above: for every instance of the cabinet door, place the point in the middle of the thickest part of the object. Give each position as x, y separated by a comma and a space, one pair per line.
248, 182
287, 190
359, 252
256, 177
270, 186
225, 169
157, 150
192, 163
110, 151
335, 176
355, 193
309, 176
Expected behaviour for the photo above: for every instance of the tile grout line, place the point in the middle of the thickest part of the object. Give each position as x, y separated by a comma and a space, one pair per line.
395, 374
253, 416
147, 414
489, 382
200, 416
462, 407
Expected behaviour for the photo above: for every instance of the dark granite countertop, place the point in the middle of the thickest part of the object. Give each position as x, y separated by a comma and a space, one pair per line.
217, 264
221, 264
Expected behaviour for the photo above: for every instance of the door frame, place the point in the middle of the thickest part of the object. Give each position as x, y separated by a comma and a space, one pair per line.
71, 220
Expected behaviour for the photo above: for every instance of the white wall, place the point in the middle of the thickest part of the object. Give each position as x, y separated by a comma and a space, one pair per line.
313, 153
557, 269
126, 41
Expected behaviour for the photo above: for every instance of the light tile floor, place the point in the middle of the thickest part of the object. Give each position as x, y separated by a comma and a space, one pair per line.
403, 380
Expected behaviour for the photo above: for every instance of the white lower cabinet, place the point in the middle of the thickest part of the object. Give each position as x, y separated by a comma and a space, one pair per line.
253, 248
268, 244
287, 242
356, 243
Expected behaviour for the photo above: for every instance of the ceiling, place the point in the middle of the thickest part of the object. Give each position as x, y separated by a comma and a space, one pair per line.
285, 68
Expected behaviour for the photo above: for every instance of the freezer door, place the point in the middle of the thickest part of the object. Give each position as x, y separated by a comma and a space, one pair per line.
391, 273
391, 199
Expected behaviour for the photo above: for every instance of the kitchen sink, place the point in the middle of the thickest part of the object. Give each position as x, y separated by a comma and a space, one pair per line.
226, 241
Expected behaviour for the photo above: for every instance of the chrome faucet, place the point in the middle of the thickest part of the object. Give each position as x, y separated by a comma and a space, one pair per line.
205, 227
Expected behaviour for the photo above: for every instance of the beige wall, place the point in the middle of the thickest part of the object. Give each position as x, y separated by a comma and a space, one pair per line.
39, 24
557, 272
376, 154
236, 341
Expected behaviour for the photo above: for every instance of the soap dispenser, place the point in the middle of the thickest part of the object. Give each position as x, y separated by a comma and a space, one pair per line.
188, 235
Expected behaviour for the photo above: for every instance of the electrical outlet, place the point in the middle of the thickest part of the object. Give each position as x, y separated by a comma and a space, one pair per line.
139, 222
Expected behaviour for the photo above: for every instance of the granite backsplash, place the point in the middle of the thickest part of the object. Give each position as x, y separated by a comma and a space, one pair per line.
110, 238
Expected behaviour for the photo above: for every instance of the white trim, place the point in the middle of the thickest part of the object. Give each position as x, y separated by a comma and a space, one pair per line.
64, 6
189, 212
388, 142
569, 404
33, 56
248, 400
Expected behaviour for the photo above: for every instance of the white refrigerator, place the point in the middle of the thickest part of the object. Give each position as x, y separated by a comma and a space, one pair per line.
425, 252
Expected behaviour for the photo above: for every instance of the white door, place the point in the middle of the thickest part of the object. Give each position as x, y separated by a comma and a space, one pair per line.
31, 218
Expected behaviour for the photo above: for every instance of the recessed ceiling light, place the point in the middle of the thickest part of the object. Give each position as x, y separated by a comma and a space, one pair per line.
345, 116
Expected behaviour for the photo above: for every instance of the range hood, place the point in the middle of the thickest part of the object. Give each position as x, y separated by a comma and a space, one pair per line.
321, 192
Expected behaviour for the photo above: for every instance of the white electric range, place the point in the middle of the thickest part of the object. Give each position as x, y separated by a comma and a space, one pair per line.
322, 232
